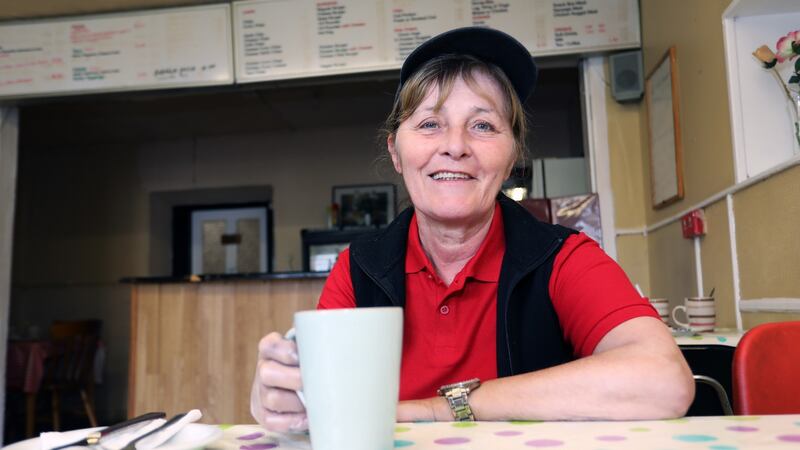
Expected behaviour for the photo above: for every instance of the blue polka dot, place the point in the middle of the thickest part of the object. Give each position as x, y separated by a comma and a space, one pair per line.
722, 447
398, 444
694, 438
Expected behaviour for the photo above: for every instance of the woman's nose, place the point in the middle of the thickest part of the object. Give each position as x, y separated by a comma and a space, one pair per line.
457, 145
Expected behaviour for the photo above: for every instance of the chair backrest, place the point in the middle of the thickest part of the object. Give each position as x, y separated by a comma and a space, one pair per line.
766, 370
75, 344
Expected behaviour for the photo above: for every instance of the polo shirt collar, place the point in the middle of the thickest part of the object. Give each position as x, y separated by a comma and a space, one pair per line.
483, 266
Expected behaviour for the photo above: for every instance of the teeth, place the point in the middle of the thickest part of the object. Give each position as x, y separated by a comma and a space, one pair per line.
450, 176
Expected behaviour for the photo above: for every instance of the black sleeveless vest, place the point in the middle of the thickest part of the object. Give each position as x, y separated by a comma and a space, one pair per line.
529, 336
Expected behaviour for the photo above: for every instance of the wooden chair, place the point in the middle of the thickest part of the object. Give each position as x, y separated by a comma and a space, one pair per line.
72, 364
766, 370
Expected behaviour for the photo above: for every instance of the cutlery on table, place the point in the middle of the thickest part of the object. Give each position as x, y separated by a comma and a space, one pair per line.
95, 436
174, 420
164, 433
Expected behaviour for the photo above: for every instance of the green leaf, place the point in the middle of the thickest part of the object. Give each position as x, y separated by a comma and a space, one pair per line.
771, 64
797, 66
794, 79
796, 47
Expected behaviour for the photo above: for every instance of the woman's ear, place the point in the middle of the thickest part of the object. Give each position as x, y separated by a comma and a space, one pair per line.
390, 144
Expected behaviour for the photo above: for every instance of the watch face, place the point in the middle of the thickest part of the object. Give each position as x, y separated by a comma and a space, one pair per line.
469, 384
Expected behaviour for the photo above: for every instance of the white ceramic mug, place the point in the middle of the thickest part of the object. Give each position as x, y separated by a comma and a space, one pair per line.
661, 306
700, 313
350, 365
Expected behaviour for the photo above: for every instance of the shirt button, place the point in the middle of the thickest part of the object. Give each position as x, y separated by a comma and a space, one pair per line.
444, 310
430, 277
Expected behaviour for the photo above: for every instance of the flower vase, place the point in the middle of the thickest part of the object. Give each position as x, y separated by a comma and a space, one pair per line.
794, 112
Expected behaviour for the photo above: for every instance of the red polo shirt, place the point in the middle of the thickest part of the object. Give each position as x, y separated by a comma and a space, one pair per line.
449, 332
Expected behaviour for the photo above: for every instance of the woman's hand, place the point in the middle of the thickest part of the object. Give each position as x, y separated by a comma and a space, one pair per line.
273, 401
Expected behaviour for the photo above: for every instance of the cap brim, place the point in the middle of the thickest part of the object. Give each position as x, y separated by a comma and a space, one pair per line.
485, 44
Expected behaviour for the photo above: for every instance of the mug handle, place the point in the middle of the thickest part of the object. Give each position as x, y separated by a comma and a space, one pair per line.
675, 319
292, 336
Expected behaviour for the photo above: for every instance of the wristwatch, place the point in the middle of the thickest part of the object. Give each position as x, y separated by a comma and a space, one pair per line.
456, 395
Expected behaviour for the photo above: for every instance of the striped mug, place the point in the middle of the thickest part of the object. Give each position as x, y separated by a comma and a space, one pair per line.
700, 314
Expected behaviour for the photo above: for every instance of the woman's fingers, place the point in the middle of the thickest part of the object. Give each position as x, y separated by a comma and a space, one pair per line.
272, 374
281, 400
274, 347
273, 400
284, 422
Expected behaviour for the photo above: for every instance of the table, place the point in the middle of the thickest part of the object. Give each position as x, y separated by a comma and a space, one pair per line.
710, 433
726, 337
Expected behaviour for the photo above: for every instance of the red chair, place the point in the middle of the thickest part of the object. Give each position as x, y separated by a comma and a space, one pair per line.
766, 370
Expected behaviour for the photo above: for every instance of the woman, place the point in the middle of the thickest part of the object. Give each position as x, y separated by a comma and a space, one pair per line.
537, 313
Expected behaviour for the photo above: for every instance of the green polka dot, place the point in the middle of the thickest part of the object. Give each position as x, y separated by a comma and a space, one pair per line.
797, 423
401, 429
464, 424
694, 438
697, 338
640, 429
524, 422
224, 426
722, 339
423, 421
398, 443
722, 447
679, 420
743, 418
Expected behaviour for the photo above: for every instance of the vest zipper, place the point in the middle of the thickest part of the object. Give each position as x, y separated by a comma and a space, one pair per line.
530, 269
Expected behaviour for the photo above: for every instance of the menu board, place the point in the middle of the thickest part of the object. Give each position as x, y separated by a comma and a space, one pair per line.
277, 39
142, 50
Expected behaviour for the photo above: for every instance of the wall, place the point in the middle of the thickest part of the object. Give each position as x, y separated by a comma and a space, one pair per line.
766, 214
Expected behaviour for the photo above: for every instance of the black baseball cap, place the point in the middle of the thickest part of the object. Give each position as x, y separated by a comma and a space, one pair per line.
486, 44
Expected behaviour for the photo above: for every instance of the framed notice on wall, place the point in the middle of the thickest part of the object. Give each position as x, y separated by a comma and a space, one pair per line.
664, 131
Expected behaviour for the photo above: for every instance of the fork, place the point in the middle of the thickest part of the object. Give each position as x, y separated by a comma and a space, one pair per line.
132, 444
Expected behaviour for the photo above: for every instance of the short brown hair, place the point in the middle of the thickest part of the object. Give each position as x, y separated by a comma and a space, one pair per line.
443, 71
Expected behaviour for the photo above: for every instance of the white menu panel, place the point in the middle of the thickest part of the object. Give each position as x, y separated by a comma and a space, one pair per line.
143, 50
578, 26
277, 39
412, 22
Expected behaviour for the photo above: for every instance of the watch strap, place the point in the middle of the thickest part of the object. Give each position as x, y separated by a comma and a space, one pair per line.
458, 399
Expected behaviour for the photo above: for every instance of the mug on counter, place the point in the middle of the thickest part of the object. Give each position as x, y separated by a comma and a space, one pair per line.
701, 314
661, 306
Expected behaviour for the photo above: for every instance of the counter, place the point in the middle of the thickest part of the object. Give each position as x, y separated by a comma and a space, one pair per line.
194, 344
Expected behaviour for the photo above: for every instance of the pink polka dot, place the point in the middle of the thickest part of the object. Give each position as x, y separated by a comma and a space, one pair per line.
611, 438
452, 440
508, 433
544, 443
789, 438
742, 428
258, 446
250, 437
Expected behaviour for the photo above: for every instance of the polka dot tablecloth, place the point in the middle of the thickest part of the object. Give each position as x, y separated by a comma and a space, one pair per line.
710, 433
725, 337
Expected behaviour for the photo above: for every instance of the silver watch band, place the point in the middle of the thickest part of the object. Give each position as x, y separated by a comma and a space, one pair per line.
459, 404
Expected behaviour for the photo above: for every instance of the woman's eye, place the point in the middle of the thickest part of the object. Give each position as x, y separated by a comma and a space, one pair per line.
484, 126
429, 124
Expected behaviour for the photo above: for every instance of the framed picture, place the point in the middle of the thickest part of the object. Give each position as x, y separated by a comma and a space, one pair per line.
662, 96
368, 205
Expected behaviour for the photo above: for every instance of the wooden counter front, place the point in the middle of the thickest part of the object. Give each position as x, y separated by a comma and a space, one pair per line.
194, 345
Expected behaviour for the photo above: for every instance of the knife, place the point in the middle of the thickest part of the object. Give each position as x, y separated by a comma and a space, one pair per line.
95, 436
132, 444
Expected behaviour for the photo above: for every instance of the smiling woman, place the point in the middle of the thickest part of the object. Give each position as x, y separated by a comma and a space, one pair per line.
505, 317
